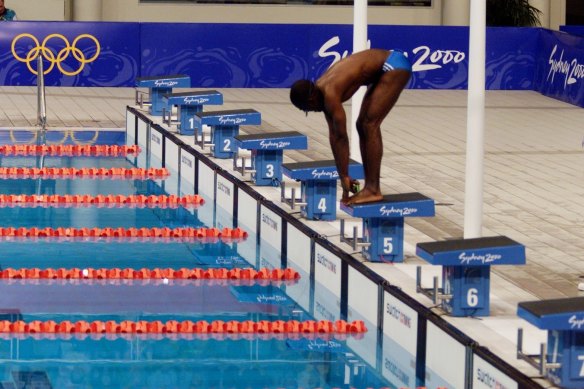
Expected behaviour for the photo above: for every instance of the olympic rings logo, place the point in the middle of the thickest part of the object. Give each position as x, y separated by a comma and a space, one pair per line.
77, 137
56, 57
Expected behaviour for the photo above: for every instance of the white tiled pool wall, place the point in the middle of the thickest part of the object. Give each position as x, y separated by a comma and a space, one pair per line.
337, 286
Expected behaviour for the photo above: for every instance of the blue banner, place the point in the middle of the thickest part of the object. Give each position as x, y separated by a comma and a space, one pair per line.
73, 53
574, 30
560, 67
275, 55
251, 55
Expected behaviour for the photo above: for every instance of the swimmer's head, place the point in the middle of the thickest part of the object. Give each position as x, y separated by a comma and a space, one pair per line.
305, 96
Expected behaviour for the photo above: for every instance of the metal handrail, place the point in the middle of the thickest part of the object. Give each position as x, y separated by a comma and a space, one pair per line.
41, 97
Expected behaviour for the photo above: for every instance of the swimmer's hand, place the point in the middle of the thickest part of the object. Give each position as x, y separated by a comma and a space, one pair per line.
349, 186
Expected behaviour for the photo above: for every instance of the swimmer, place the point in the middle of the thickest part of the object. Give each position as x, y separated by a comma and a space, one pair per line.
385, 73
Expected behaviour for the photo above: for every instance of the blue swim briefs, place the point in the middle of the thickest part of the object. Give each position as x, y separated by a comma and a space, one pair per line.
397, 60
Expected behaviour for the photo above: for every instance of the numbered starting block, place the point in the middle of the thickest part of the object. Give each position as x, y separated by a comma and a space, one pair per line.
224, 127
564, 321
466, 271
160, 86
383, 224
318, 187
267, 153
189, 103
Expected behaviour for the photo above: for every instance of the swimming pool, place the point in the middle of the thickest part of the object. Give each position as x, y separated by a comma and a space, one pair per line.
83, 358
406, 343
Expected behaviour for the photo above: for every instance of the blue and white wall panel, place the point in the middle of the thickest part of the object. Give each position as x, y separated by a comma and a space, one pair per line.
247, 211
206, 187
299, 254
130, 128
247, 219
487, 376
156, 147
142, 141
400, 341
188, 166
363, 304
172, 163
327, 286
445, 359
156, 151
270, 239
224, 202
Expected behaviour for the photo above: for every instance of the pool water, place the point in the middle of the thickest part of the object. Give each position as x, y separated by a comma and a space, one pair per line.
156, 360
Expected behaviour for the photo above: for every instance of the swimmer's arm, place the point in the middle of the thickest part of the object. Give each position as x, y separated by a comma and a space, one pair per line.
339, 141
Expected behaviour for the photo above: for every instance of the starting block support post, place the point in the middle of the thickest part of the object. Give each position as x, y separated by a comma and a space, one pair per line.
466, 269
160, 86
319, 186
189, 103
383, 224
267, 153
224, 127
564, 321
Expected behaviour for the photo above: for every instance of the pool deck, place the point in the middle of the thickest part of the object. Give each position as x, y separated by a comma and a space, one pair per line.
533, 182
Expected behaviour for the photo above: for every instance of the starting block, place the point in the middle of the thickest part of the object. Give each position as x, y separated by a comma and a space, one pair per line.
267, 152
160, 86
564, 321
466, 271
318, 187
383, 224
189, 103
224, 127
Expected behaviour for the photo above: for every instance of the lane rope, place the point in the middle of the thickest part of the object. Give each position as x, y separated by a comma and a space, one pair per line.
71, 172
323, 327
130, 201
200, 233
69, 150
154, 273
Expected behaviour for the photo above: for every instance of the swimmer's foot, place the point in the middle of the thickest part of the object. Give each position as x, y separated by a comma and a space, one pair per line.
364, 196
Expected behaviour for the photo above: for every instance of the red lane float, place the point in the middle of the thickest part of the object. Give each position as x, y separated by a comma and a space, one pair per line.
70, 150
155, 273
93, 172
124, 280
131, 201
200, 233
308, 327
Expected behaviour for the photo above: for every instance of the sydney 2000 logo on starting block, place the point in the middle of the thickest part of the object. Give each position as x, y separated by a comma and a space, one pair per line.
56, 49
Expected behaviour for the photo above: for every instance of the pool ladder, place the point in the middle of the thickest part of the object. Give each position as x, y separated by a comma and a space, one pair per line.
41, 97
41, 117
292, 201
435, 293
539, 361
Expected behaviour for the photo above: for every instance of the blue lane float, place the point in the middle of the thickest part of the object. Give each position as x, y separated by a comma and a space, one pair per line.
159, 86
224, 127
466, 271
563, 319
267, 153
318, 187
383, 224
188, 104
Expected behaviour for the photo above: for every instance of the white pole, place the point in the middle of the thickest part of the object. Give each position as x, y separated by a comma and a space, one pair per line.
359, 44
473, 202
90, 10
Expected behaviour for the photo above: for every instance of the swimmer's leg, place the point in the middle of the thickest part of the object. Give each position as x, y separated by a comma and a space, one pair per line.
378, 101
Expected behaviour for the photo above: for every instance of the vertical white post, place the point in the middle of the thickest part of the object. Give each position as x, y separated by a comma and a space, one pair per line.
359, 44
87, 10
475, 127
